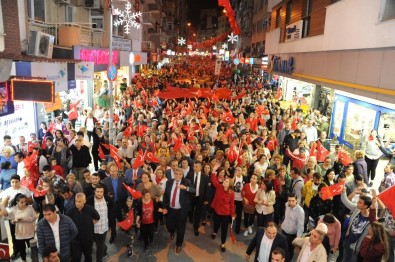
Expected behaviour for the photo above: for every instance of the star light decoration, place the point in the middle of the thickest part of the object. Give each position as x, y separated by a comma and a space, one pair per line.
224, 46
127, 17
190, 47
181, 41
233, 38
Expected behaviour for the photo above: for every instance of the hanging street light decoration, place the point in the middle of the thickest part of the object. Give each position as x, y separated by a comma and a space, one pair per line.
225, 46
233, 38
181, 41
190, 47
127, 17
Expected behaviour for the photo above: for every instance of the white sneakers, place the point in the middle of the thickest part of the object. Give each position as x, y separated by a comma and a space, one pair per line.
248, 231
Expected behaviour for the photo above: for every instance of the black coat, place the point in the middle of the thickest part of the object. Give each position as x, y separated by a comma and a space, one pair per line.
121, 190
203, 196
279, 241
184, 194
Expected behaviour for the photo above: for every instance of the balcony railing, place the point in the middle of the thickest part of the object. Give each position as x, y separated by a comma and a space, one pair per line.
68, 34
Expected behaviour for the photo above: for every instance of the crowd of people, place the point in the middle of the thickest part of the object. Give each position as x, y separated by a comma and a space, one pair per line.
246, 164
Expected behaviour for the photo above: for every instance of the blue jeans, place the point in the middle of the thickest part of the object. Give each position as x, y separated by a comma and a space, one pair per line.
349, 254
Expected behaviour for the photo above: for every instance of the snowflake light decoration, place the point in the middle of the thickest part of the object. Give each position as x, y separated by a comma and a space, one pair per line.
190, 47
224, 46
127, 17
181, 41
233, 38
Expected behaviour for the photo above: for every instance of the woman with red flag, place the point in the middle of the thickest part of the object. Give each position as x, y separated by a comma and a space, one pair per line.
223, 205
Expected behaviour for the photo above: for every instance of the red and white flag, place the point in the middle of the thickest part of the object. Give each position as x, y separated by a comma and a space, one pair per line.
151, 157
331, 191
229, 119
128, 222
139, 161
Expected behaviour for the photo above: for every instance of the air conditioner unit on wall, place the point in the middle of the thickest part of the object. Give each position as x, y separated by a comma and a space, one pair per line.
40, 44
92, 4
62, 2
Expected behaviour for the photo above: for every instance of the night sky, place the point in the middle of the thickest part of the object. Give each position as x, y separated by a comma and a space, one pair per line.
196, 5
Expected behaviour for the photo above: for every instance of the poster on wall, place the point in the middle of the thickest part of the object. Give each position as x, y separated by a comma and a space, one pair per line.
84, 70
52, 71
6, 106
20, 123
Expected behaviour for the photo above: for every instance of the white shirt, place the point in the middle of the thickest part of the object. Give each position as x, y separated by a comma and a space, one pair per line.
177, 204
197, 182
306, 254
264, 250
55, 231
20, 172
13, 192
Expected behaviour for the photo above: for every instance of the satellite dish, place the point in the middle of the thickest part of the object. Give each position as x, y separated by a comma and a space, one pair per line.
5, 69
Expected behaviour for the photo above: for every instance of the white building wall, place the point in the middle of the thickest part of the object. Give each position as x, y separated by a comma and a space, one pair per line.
349, 24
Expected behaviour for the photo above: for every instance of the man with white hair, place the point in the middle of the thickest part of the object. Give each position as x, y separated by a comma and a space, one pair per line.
312, 247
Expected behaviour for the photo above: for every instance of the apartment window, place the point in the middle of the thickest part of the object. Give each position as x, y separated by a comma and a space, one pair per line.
278, 17
69, 14
288, 12
170, 26
306, 17
387, 10
36, 10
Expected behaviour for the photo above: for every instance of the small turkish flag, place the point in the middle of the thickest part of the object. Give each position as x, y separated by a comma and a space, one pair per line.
141, 129
31, 165
4, 252
139, 161
331, 191
134, 193
44, 143
128, 131
128, 222
151, 157
229, 119
38, 193
101, 153
322, 152
114, 154
279, 93
178, 144
344, 158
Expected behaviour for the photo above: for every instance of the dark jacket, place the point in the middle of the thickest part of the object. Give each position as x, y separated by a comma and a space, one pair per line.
279, 241
361, 168
139, 208
203, 196
121, 190
67, 232
81, 157
110, 204
83, 219
184, 194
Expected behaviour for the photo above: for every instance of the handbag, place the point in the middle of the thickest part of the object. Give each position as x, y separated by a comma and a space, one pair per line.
70, 162
248, 209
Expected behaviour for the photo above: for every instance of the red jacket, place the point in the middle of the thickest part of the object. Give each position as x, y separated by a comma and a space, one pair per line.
58, 170
247, 193
224, 201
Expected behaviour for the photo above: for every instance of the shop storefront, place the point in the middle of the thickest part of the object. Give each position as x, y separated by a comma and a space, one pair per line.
127, 63
354, 117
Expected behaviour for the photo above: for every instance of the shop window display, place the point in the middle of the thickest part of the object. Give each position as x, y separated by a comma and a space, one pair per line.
359, 121
386, 127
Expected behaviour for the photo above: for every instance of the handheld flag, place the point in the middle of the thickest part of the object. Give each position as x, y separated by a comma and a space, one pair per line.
387, 197
331, 191
134, 193
128, 222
